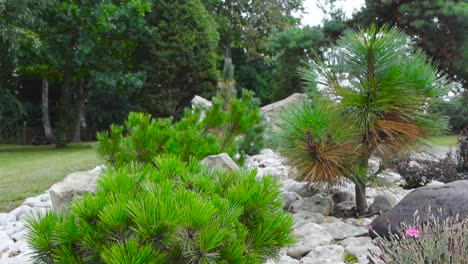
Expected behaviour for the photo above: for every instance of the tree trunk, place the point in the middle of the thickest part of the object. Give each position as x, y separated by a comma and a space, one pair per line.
79, 113
228, 52
45, 112
360, 184
361, 203
65, 109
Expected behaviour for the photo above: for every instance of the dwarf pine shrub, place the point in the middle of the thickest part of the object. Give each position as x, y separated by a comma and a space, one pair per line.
167, 211
231, 127
434, 242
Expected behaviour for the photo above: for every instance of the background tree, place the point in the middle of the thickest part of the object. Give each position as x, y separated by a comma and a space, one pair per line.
438, 27
177, 53
15, 16
291, 47
244, 28
369, 98
84, 45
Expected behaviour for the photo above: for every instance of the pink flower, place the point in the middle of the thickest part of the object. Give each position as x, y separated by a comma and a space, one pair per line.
413, 232
381, 256
457, 252
367, 227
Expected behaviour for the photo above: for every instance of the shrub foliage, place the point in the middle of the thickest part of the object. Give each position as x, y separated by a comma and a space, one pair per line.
226, 127
167, 212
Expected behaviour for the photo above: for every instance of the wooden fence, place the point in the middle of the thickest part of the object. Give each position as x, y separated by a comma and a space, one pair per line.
32, 135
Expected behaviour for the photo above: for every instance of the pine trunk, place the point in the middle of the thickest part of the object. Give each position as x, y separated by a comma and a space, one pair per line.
361, 203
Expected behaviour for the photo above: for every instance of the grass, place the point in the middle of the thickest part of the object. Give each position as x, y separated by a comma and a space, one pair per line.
27, 171
443, 141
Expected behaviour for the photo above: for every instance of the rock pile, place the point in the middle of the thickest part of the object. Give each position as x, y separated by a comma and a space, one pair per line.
322, 238
13, 243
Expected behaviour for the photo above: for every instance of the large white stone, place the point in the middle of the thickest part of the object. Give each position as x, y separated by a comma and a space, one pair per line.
340, 230
76, 183
201, 102
220, 161
314, 204
273, 110
310, 236
359, 247
329, 254
304, 189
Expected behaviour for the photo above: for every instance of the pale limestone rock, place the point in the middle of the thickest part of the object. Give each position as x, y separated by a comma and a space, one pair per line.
311, 235
220, 161
75, 184
330, 254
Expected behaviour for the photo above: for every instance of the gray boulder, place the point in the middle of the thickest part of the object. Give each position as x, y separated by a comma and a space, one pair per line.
272, 111
442, 201
75, 184
220, 161
314, 204
340, 196
304, 189
289, 199
382, 203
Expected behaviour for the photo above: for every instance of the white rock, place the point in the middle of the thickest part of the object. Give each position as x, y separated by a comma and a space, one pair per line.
201, 102
284, 259
304, 189
20, 259
20, 211
330, 254
268, 152
77, 183
359, 247
269, 163
45, 197
6, 218
311, 235
222, 161
272, 111
19, 236
340, 230
314, 204
289, 199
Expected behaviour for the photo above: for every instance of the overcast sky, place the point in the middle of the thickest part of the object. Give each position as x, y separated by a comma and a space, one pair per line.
313, 16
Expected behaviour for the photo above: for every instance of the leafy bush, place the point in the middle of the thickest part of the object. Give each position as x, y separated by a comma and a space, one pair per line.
421, 172
169, 211
417, 173
434, 242
222, 130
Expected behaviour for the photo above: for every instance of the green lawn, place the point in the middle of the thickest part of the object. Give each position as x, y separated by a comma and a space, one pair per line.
30, 170
443, 141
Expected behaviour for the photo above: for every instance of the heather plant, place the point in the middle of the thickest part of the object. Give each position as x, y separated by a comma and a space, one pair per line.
368, 98
436, 241
167, 211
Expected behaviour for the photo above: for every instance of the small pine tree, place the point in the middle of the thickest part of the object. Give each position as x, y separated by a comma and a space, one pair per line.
167, 212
